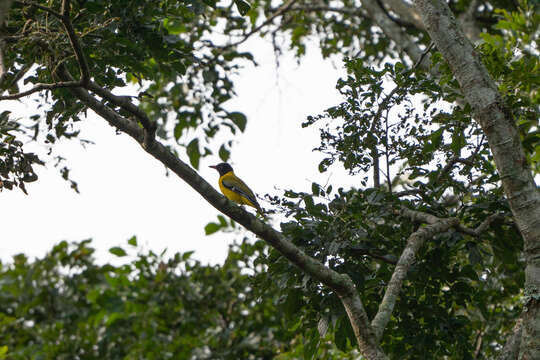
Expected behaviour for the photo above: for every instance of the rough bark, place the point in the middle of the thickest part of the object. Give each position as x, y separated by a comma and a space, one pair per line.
500, 128
407, 258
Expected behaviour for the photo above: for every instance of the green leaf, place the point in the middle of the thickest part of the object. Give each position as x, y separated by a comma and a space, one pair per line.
315, 189
310, 348
132, 241
3, 351
238, 119
211, 228
243, 7
193, 153
187, 255
118, 251
224, 154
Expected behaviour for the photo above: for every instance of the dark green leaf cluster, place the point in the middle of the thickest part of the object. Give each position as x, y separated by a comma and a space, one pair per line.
16, 166
164, 49
434, 158
65, 306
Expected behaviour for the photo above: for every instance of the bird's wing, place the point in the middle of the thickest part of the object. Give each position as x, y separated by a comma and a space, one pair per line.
239, 187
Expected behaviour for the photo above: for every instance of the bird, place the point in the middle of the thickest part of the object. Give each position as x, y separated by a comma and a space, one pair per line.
234, 188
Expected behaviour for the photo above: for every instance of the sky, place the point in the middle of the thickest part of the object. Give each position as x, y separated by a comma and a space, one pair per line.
125, 192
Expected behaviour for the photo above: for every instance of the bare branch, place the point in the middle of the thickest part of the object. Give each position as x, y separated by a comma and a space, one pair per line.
414, 243
39, 87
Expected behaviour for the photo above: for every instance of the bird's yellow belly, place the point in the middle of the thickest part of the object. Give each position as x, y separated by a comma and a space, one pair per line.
237, 198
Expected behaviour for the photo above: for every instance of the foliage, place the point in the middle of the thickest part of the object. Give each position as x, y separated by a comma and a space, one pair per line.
414, 146
16, 166
464, 288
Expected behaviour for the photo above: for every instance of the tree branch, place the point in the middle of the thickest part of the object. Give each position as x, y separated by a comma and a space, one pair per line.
124, 102
340, 283
66, 20
387, 258
480, 228
38, 87
405, 11
414, 242
41, 7
277, 13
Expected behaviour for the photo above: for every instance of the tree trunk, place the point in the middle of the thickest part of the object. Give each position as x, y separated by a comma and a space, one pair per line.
500, 128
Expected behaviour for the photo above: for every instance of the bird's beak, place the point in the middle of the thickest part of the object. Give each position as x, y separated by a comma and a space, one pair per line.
213, 166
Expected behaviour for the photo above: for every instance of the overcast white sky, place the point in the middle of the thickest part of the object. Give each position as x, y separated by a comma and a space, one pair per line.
125, 192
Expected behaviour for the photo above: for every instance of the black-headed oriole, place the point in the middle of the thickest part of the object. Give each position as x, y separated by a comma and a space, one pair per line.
234, 188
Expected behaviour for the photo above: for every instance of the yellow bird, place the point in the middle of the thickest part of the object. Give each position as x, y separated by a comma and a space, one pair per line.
234, 188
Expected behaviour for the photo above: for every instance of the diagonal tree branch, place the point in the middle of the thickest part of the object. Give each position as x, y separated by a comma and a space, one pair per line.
340, 283
414, 243
125, 103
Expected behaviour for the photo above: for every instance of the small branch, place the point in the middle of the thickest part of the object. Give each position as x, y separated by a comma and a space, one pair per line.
39, 87
387, 258
428, 49
414, 242
277, 13
451, 163
38, 6
83, 65
317, 8
481, 228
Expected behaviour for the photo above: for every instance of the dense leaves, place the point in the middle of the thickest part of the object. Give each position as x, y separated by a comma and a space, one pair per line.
403, 132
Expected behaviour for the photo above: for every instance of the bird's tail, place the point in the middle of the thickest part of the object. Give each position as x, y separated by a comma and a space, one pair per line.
260, 210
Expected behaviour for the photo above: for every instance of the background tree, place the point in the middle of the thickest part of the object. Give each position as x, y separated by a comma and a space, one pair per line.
431, 214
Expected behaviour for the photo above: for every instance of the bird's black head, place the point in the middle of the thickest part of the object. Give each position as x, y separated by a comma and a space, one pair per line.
222, 168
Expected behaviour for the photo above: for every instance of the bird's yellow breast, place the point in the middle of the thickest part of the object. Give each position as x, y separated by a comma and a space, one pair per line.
231, 195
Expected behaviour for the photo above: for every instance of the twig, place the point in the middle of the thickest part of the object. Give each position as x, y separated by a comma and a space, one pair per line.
387, 258
428, 49
44, 8
480, 228
278, 12
454, 160
83, 65
39, 87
